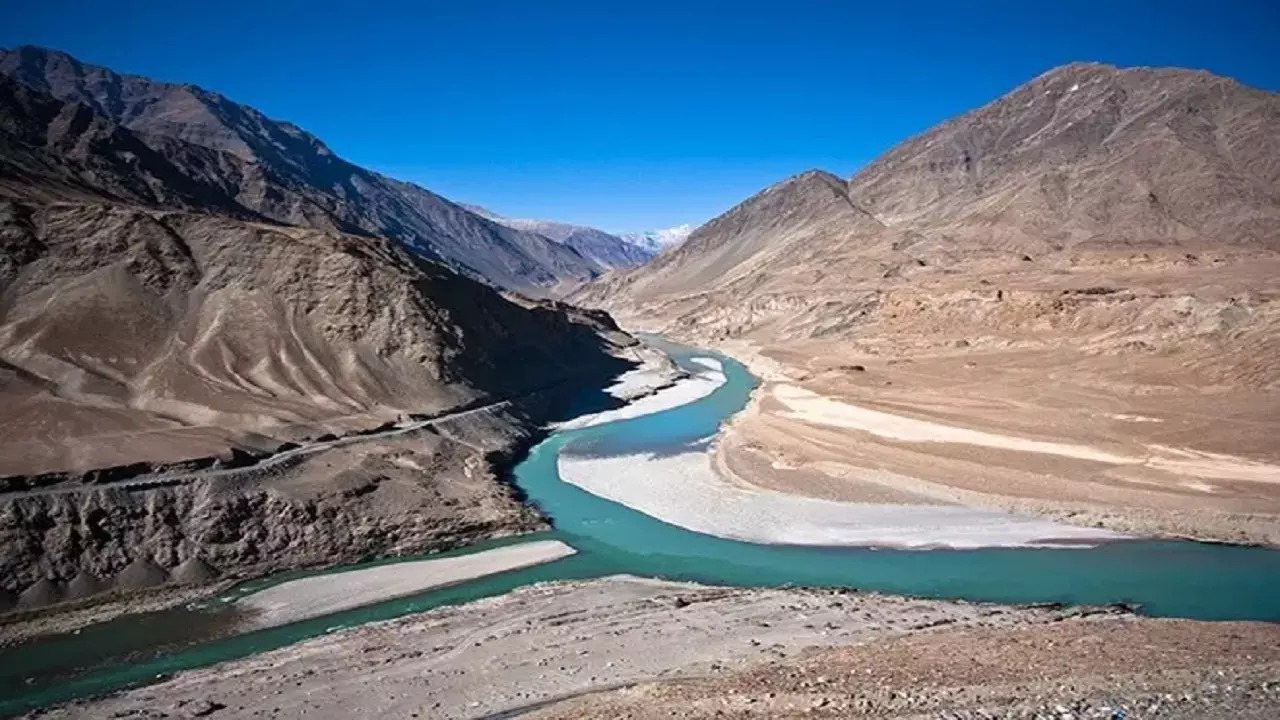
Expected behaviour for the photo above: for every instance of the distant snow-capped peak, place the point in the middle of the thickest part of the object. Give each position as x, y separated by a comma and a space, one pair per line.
606, 250
658, 240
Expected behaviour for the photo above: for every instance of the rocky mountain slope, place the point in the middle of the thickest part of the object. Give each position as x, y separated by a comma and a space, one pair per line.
162, 327
280, 172
1059, 212
59, 151
1092, 259
604, 249
131, 339
175, 333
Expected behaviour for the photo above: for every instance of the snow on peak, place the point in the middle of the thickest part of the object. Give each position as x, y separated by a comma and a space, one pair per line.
658, 240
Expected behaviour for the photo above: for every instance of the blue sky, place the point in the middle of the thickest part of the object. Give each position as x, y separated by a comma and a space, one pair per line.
631, 115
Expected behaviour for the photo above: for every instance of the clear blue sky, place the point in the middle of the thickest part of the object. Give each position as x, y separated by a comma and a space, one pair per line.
630, 115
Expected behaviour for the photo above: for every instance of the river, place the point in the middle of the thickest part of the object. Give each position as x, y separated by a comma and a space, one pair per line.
1166, 578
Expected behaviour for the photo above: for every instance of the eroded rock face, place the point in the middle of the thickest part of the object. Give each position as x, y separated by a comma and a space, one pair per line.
404, 495
137, 540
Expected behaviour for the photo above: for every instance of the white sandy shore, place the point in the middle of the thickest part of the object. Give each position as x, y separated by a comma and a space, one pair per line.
698, 385
654, 372
320, 595
685, 490
813, 408
639, 382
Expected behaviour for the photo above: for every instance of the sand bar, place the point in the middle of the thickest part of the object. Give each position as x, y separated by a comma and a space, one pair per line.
685, 490
639, 382
321, 595
699, 385
654, 372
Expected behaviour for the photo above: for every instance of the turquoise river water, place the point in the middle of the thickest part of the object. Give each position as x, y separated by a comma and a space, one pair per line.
1166, 578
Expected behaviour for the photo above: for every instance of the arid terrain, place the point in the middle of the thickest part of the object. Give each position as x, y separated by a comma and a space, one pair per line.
225, 351
1086, 268
627, 647
197, 303
151, 143
141, 341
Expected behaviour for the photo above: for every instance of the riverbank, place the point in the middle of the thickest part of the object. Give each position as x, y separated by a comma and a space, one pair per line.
546, 644
984, 431
705, 380
69, 617
320, 595
700, 491
417, 487
429, 490
1100, 670
654, 371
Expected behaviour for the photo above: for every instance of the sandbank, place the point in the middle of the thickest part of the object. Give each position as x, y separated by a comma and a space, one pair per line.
685, 490
320, 595
699, 385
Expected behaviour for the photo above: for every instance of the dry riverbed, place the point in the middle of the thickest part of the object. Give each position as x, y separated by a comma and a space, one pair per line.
653, 647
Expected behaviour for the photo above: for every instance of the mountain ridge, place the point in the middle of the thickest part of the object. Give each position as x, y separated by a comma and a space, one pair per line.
173, 304
606, 250
291, 176
1091, 259
1082, 158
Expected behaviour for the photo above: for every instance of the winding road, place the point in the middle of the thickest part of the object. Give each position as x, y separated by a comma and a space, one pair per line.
164, 479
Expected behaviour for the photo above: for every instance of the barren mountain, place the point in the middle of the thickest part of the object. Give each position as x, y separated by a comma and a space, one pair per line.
134, 338
116, 317
176, 333
283, 173
166, 340
52, 150
1086, 164
606, 250
1092, 256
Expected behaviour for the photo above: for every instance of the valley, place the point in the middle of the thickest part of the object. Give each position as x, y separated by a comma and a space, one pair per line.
986, 428
1162, 579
